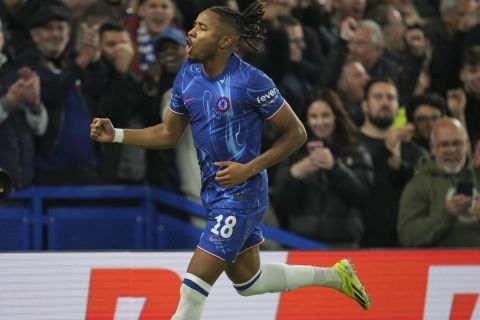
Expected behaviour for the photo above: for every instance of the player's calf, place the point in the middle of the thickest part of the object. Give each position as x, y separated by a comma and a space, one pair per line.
193, 293
280, 277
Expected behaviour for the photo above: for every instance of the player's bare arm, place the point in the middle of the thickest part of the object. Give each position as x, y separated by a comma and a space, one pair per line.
161, 136
293, 137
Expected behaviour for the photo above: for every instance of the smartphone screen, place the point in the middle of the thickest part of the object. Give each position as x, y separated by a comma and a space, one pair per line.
465, 188
312, 145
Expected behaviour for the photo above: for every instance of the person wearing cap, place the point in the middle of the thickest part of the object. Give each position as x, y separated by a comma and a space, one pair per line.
170, 54
22, 116
170, 49
69, 80
17, 16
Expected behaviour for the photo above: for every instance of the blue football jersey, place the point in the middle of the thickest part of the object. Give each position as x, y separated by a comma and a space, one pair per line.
226, 115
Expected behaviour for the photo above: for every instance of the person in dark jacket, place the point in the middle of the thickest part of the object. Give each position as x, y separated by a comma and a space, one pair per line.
394, 158
320, 194
448, 34
22, 115
364, 42
17, 16
118, 100
422, 111
351, 89
64, 154
470, 76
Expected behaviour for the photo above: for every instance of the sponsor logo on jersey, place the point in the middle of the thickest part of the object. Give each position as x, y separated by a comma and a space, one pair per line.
269, 97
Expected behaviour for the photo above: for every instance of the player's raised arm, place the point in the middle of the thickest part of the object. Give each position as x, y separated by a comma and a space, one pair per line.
293, 137
161, 136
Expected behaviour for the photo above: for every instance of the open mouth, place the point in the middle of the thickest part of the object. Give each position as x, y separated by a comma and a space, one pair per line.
188, 47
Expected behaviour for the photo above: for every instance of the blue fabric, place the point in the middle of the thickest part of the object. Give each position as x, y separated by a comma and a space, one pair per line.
74, 146
219, 240
195, 286
226, 115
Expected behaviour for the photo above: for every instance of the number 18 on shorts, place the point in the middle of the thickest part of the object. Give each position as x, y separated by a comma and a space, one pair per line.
231, 231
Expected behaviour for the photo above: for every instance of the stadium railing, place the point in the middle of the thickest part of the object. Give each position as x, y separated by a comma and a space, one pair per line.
109, 218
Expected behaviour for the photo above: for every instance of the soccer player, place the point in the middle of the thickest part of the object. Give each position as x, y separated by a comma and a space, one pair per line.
225, 101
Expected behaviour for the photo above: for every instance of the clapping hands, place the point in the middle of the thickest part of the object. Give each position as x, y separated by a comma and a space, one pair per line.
89, 45
26, 89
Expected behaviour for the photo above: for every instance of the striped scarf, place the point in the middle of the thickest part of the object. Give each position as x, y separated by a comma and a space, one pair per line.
145, 47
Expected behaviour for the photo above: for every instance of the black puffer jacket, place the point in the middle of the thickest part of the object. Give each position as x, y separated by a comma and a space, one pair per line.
16, 142
16, 148
324, 206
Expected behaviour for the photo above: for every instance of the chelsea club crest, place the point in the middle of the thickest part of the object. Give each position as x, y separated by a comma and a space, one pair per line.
222, 104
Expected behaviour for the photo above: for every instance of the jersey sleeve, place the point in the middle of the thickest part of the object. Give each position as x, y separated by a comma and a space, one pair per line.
176, 101
263, 95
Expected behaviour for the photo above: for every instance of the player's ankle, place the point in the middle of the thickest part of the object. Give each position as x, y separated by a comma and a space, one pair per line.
327, 277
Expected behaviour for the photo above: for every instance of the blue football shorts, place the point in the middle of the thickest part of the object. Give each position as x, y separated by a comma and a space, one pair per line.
229, 232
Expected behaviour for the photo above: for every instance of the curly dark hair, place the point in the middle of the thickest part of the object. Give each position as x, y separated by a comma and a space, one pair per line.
248, 25
430, 99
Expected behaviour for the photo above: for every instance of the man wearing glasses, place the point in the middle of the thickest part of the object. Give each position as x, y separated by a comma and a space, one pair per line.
422, 111
440, 206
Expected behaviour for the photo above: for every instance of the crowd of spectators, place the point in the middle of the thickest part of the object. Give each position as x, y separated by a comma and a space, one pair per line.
389, 91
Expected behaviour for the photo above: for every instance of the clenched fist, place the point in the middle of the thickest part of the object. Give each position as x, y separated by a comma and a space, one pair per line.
101, 130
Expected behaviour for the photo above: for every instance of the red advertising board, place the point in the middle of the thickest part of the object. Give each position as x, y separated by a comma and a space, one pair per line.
403, 285
397, 282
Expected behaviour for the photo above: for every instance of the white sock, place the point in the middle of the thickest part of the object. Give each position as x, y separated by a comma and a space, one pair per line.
279, 277
193, 293
327, 277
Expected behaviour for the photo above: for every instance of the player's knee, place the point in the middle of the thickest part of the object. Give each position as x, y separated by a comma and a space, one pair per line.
191, 295
248, 292
251, 287
194, 288
244, 293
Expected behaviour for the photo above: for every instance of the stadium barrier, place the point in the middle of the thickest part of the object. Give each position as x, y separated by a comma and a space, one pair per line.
403, 285
109, 218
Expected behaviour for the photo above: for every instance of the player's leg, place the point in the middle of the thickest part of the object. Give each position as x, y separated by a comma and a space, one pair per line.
221, 240
202, 272
250, 277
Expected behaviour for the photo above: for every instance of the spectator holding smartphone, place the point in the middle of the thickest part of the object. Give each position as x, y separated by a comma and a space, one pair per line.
320, 193
439, 207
